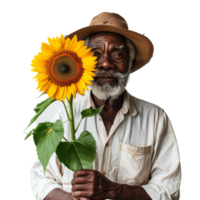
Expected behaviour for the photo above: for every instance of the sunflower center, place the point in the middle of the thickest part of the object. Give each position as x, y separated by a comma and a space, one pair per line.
64, 68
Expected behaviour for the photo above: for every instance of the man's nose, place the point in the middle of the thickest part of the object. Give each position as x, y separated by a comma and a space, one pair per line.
105, 63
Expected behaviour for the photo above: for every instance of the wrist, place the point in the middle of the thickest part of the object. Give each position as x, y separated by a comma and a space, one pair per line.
117, 191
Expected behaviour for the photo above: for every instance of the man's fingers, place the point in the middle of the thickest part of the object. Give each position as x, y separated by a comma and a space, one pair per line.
80, 187
82, 194
78, 180
82, 172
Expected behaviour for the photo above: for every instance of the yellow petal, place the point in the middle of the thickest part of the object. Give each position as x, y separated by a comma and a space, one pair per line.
73, 90
39, 69
64, 93
41, 76
52, 90
73, 43
86, 80
85, 53
41, 83
79, 89
39, 58
90, 54
58, 94
47, 49
46, 87
67, 44
79, 45
56, 43
52, 43
62, 40
87, 76
89, 62
36, 63
90, 73
83, 85
69, 93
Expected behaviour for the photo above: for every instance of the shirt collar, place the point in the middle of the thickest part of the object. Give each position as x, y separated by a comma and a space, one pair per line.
128, 104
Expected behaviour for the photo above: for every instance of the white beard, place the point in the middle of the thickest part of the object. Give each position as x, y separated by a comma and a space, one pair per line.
108, 91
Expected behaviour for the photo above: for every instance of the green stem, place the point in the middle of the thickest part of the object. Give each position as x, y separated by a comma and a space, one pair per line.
66, 111
78, 126
72, 119
65, 121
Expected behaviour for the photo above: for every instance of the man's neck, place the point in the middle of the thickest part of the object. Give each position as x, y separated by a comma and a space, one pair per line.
115, 107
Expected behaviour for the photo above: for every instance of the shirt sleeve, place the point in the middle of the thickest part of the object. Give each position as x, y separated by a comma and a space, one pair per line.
165, 176
42, 183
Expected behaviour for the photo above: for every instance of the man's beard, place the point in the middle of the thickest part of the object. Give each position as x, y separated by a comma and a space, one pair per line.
109, 91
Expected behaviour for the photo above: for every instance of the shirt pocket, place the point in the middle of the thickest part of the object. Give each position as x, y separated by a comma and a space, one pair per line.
133, 164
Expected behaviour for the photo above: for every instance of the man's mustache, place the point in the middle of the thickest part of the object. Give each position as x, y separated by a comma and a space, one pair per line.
110, 74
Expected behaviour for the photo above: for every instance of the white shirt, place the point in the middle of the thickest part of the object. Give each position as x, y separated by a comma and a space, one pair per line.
141, 149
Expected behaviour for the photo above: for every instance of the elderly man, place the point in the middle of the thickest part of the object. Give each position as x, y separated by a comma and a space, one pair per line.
137, 153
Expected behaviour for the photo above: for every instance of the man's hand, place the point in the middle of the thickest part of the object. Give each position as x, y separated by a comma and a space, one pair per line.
93, 185
74, 198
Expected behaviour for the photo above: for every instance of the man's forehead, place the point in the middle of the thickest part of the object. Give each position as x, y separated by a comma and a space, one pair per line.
122, 46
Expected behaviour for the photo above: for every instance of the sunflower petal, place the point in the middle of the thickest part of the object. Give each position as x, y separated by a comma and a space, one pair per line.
64, 93
69, 93
73, 90
85, 53
79, 89
47, 49
57, 96
67, 44
62, 40
41, 76
56, 43
41, 83
39, 69
83, 85
89, 62
45, 87
52, 43
79, 45
73, 43
52, 89
87, 76
38, 57
90, 73
35, 63
86, 81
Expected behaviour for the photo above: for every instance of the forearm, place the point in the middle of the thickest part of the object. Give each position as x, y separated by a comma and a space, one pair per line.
58, 194
126, 192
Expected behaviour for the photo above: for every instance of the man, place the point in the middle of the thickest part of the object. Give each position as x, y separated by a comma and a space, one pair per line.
137, 153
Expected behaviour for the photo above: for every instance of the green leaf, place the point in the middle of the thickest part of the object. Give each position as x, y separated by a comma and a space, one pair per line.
78, 154
47, 136
89, 112
39, 96
40, 108
28, 135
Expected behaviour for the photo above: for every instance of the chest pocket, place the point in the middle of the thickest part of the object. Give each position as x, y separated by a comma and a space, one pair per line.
133, 164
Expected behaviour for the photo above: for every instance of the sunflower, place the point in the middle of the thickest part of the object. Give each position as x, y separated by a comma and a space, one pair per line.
64, 67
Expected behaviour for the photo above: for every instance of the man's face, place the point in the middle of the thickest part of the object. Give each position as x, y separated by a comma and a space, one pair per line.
113, 64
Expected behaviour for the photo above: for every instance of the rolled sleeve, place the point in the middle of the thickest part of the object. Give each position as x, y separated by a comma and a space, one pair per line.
165, 174
41, 183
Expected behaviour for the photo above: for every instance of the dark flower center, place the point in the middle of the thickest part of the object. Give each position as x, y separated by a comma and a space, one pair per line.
64, 68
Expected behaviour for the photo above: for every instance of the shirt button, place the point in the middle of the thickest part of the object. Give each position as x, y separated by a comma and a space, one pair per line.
100, 119
104, 173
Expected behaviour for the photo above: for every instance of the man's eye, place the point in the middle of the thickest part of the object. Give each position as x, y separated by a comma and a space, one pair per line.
97, 55
118, 56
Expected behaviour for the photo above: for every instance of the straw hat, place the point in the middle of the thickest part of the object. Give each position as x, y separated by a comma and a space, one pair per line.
112, 22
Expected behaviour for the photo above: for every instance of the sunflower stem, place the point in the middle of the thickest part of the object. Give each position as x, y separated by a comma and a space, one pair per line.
72, 118
66, 111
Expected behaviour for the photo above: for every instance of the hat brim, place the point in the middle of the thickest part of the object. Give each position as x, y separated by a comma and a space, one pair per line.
144, 47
